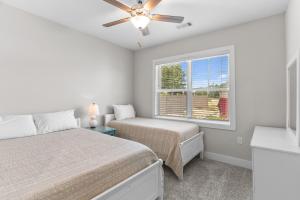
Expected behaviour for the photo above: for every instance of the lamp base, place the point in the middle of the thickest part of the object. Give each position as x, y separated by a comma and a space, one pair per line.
93, 123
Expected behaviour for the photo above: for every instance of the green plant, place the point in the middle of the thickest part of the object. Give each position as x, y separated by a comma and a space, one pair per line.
172, 77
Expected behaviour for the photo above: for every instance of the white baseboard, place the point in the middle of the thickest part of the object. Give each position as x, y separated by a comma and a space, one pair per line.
229, 160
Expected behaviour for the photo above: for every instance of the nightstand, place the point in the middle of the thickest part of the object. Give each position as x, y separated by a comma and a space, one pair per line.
104, 130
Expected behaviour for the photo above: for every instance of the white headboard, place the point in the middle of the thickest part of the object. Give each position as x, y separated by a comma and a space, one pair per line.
108, 118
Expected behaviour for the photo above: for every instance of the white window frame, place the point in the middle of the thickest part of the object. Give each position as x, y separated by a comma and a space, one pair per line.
294, 133
227, 125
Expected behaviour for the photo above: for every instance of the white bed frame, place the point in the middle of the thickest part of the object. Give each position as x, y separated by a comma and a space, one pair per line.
147, 184
189, 148
192, 147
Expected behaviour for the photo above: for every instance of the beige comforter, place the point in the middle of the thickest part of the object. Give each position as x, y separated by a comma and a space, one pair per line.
162, 136
71, 165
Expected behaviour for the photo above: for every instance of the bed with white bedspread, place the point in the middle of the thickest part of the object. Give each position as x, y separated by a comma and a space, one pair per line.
174, 142
78, 164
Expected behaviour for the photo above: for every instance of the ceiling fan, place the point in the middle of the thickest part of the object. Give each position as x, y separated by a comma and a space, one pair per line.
140, 15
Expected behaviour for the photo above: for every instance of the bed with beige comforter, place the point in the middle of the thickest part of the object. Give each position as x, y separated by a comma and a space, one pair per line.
162, 136
71, 165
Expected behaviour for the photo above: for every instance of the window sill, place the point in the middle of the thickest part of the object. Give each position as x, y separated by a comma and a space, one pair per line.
202, 123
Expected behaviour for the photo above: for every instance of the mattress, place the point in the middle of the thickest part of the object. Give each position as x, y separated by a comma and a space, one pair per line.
75, 164
162, 136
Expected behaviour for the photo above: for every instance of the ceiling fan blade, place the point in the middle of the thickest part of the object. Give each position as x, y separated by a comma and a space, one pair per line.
145, 31
167, 18
119, 5
151, 4
116, 22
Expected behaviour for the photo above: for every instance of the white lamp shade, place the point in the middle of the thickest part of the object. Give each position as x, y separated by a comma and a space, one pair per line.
140, 21
93, 110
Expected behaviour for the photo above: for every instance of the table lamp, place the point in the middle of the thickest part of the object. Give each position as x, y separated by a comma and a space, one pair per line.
93, 113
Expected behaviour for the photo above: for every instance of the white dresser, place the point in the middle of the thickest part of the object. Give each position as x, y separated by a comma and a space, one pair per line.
276, 165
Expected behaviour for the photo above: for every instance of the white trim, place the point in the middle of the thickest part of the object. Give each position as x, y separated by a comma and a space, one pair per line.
295, 60
172, 90
231, 125
203, 123
189, 89
232, 77
155, 85
229, 160
195, 55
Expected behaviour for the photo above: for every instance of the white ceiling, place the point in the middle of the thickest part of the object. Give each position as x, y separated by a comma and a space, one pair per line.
205, 15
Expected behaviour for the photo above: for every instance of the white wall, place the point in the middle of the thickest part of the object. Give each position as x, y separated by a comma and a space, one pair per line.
260, 79
48, 67
293, 28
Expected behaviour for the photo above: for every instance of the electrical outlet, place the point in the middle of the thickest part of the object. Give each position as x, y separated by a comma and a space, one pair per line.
239, 140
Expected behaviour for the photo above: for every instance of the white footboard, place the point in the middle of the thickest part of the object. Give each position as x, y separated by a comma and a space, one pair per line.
145, 185
192, 147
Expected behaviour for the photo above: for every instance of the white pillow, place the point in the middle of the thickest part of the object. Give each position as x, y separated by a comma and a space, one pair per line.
58, 121
17, 126
124, 112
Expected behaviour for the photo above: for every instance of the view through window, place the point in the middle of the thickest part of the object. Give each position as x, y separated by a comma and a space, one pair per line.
194, 89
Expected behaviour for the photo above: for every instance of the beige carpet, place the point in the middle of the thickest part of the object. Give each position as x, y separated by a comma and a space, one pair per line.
209, 180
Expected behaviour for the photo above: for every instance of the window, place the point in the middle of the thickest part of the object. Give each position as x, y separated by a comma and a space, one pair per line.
198, 87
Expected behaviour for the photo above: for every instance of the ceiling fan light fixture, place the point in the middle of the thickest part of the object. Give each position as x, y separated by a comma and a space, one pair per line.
140, 21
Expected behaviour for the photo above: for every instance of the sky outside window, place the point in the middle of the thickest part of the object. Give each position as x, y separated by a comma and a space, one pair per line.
210, 72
